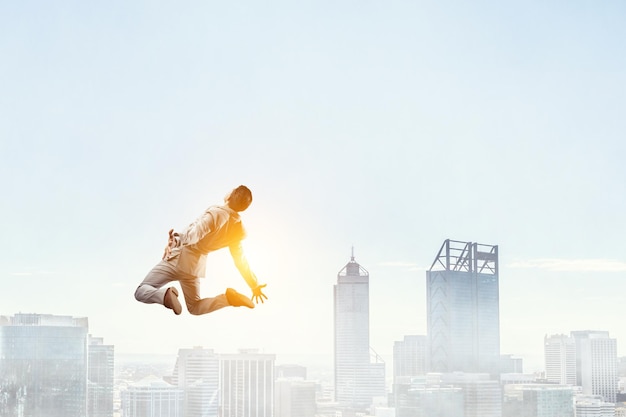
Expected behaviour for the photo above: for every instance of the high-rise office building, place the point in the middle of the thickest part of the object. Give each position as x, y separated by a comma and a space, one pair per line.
510, 364
247, 384
463, 318
100, 378
482, 395
410, 356
593, 406
418, 397
295, 398
620, 410
197, 373
152, 397
430, 402
538, 400
560, 359
43, 365
358, 379
596, 363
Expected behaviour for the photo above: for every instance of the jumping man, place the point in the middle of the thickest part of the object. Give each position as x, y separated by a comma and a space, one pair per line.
184, 260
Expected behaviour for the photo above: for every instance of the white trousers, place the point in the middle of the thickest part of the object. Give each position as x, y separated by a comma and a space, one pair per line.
152, 291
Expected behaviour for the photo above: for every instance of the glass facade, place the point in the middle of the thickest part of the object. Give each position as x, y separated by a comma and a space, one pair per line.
430, 402
410, 356
463, 312
100, 379
536, 400
43, 366
357, 379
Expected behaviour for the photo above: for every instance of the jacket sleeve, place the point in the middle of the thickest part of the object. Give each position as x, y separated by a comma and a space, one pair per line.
236, 251
198, 229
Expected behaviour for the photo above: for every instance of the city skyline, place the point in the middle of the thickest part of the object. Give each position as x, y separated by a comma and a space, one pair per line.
199, 379
387, 127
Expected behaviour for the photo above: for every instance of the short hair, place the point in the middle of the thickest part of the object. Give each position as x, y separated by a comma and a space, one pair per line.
240, 198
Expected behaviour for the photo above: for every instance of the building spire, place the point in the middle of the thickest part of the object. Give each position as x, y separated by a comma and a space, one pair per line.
352, 268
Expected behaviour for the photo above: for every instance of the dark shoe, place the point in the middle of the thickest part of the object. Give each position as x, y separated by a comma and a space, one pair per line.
237, 300
171, 300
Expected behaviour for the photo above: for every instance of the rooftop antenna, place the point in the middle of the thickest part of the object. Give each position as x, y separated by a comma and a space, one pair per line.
352, 257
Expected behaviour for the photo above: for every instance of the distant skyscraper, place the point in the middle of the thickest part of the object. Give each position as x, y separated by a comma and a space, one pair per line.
295, 398
560, 359
596, 363
462, 291
247, 384
357, 379
197, 373
152, 397
43, 366
510, 364
482, 395
100, 378
538, 400
291, 371
410, 356
593, 406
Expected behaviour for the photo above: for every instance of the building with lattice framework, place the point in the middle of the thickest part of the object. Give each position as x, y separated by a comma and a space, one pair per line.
463, 318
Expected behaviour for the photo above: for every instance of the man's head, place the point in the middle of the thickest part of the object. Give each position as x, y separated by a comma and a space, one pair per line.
239, 199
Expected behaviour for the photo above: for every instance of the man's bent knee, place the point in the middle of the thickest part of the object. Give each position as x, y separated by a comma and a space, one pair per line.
139, 294
194, 309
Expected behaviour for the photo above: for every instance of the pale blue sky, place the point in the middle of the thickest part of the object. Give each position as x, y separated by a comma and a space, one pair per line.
389, 126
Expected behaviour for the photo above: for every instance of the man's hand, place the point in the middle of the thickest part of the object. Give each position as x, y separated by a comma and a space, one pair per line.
171, 243
257, 293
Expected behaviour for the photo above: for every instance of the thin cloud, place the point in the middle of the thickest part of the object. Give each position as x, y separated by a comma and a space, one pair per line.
30, 273
571, 265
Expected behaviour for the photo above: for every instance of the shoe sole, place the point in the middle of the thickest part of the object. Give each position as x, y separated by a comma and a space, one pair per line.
173, 301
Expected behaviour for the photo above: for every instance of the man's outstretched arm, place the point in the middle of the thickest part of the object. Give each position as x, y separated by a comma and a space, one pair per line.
236, 251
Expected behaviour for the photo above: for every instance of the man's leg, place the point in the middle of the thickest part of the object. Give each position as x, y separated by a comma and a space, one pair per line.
150, 291
197, 305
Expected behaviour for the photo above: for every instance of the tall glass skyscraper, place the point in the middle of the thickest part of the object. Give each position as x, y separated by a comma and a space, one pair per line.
357, 379
596, 363
463, 315
100, 378
410, 356
43, 366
